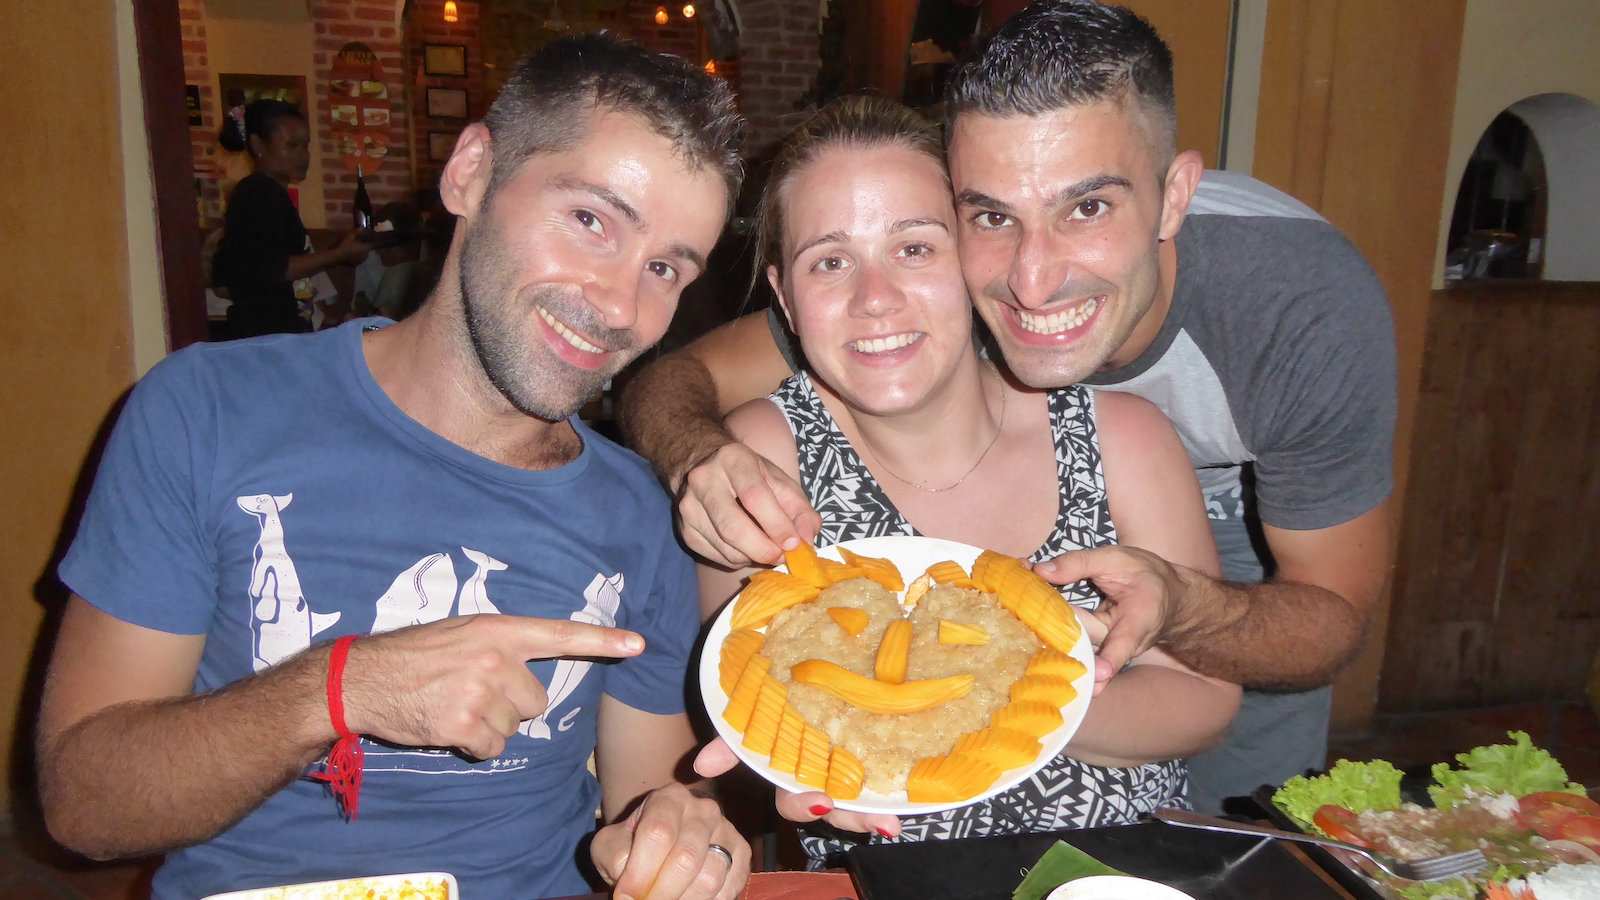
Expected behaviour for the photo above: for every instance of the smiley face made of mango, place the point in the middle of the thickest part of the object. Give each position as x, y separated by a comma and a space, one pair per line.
845, 677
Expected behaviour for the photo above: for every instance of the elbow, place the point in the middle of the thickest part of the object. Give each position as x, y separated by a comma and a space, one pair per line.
1228, 697
69, 824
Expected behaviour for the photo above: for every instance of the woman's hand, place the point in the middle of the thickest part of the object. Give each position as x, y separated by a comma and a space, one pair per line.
717, 757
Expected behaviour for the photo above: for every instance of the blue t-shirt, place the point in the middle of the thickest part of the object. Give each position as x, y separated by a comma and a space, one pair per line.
269, 495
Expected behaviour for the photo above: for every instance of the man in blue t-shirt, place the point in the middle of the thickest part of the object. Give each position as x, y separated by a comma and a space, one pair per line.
517, 598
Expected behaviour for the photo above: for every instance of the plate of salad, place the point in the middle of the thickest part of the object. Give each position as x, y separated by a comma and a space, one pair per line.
1539, 831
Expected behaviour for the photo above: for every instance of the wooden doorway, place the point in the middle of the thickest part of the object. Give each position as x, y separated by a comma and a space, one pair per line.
160, 41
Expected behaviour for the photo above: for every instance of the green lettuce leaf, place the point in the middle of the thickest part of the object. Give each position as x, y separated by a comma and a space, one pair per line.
1518, 768
1355, 786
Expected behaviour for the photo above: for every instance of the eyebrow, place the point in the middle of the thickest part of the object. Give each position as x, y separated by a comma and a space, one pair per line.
1062, 197
604, 195
834, 237
625, 209
906, 224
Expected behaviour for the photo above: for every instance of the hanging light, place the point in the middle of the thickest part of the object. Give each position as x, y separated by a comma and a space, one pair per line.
688, 10
711, 67
451, 14
661, 15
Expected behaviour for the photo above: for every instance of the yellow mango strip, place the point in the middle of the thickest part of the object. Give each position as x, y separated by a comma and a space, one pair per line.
763, 730
959, 633
894, 653
852, 620
742, 701
786, 749
876, 696
737, 649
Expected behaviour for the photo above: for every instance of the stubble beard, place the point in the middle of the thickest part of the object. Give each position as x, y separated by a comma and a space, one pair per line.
1047, 368
500, 332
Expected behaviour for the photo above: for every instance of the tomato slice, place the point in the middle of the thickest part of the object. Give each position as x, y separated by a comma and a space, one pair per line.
1545, 811
1339, 823
1583, 829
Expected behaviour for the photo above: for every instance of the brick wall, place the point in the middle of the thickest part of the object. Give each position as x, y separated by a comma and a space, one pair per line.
334, 22
778, 62
495, 37
372, 22
773, 75
425, 24
202, 138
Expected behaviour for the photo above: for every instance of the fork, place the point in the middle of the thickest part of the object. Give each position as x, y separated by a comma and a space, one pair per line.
1434, 868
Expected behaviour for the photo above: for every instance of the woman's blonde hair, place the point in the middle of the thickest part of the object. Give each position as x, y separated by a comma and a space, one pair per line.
859, 121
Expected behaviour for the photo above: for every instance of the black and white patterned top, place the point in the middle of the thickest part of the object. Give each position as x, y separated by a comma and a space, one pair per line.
1065, 793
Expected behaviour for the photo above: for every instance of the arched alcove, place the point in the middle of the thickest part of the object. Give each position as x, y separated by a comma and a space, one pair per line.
1497, 227
1567, 128
1547, 187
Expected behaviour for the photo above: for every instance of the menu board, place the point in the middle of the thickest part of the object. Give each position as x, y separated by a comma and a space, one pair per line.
358, 105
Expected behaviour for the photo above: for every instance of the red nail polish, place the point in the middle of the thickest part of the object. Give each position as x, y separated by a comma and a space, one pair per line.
819, 810
885, 832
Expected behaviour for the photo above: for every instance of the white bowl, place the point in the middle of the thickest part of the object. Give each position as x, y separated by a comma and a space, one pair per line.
1116, 887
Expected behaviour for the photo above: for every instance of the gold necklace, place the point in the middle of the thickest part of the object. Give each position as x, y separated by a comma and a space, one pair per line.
923, 485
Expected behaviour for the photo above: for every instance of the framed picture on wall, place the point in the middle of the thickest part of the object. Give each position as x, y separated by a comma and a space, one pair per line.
447, 103
440, 145
445, 59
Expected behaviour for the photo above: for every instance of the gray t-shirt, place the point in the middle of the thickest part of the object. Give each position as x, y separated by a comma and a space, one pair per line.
1276, 365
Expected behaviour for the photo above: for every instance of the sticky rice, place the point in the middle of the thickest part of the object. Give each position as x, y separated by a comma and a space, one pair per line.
888, 745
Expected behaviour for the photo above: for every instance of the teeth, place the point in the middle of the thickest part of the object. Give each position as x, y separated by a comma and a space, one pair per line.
884, 345
572, 337
1060, 321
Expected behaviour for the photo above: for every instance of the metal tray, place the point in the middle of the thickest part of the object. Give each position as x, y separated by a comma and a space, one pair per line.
1206, 865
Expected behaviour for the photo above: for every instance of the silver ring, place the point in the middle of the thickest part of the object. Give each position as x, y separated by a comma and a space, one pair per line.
726, 853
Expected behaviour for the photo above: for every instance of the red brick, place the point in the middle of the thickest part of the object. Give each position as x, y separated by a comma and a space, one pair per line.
349, 30
374, 14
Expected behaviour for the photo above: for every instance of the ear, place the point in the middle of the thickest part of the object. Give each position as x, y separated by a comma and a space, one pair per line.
256, 146
465, 180
783, 301
1183, 176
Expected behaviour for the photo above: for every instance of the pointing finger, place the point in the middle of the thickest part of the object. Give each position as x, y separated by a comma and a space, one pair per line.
534, 638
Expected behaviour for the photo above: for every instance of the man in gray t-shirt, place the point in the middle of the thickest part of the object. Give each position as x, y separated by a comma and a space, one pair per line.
1276, 365
1096, 253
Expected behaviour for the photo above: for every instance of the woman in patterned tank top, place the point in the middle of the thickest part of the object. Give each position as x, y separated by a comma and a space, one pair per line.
898, 426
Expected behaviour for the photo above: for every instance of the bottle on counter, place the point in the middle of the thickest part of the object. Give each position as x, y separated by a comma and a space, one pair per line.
363, 202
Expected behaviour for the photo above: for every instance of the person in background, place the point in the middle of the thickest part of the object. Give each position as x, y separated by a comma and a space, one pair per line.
265, 256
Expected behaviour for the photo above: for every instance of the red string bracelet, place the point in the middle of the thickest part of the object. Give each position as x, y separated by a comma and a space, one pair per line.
341, 769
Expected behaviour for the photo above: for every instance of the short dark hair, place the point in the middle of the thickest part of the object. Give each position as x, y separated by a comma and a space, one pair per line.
545, 106
1059, 53
258, 119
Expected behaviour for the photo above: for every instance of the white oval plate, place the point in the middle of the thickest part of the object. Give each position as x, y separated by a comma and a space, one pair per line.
913, 555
